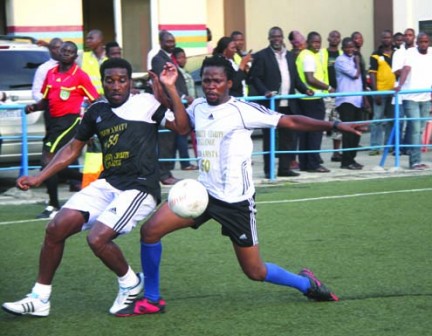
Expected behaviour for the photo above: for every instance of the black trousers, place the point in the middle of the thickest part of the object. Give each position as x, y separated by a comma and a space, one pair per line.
315, 109
167, 148
286, 141
348, 113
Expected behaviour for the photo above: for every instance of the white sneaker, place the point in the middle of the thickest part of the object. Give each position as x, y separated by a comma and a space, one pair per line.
49, 212
30, 305
126, 296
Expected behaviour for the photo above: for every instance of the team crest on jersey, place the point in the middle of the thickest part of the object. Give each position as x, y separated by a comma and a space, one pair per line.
64, 94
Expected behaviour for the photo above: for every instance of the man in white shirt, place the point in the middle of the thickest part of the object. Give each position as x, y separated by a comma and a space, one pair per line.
398, 61
417, 75
40, 74
224, 126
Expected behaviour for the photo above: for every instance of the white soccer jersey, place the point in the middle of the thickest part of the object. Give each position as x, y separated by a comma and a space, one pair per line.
225, 146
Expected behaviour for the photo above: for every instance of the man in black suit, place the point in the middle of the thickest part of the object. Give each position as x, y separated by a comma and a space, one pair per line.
167, 139
274, 72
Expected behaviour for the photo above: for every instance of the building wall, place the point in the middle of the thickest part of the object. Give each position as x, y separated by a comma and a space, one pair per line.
189, 18
408, 13
215, 19
189, 28
28, 17
312, 15
136, 34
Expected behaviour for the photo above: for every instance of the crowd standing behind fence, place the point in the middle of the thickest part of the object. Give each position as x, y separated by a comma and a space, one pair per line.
295, 37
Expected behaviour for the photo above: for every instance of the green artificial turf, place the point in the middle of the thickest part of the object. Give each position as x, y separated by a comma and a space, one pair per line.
370, 241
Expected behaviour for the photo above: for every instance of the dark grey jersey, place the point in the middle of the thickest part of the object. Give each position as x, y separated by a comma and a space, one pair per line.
128, 136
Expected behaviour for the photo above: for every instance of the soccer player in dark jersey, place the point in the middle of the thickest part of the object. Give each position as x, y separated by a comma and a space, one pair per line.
223, 127
127, 191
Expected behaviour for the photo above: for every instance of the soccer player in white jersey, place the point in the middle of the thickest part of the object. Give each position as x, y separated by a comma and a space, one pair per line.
127, 191
223, 126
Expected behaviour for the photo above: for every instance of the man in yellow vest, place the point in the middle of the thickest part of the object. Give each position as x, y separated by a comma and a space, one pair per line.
91, 60
313, 72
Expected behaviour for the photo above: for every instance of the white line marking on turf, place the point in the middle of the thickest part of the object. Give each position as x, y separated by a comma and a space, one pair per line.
24, 221
280, 201
344, 196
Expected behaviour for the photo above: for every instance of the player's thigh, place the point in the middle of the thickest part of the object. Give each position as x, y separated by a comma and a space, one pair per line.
162, 222
92, 200
66, 223
127, 209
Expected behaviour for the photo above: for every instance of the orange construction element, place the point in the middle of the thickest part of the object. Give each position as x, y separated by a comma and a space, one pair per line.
427, 135
92, 168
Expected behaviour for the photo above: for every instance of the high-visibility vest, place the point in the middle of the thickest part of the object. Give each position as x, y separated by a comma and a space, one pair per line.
321, 71
90, 64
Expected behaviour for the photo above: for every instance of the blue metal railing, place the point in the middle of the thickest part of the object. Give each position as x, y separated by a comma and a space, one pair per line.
393, 141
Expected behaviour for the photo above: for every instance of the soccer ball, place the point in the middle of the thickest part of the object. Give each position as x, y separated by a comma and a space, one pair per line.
188, 198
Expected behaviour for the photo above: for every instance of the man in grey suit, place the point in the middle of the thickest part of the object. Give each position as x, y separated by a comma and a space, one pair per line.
167, 139
274, 72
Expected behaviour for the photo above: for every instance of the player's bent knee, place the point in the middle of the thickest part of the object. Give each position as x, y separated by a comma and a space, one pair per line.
96, 243
149, 233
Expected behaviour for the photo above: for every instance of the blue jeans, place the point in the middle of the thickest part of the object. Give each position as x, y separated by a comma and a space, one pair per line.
383, 111
415, 109
405, 130
182, 147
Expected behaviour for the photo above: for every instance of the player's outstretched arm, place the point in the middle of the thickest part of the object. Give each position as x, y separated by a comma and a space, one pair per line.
168, 78
65, 156
306, 124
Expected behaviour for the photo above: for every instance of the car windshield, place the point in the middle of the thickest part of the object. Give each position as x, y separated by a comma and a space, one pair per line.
17, 68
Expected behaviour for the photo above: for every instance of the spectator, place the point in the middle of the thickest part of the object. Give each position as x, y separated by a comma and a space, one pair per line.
64, 89
357, 38
182, 143
226, 47
382, 79
167, 139
416, 75
239, 41
297, 41
330, 55
40, 74
348, 76
153, 51
398, 62
313, 73
91, 60
274, 72
398, 40
113, 50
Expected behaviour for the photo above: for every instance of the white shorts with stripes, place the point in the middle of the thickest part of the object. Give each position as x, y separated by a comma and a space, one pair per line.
117, 209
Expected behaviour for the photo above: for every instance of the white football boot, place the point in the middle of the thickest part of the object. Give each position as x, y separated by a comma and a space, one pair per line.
126, 296
30, 305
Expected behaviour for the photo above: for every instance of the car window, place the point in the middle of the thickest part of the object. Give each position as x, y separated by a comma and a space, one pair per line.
18, 67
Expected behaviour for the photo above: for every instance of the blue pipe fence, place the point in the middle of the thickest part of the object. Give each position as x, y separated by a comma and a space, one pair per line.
393, 141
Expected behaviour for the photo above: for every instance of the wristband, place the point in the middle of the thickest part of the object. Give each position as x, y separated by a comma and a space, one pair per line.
335, 125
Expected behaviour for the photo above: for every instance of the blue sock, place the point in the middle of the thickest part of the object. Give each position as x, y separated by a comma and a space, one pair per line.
150, 260
279, 276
